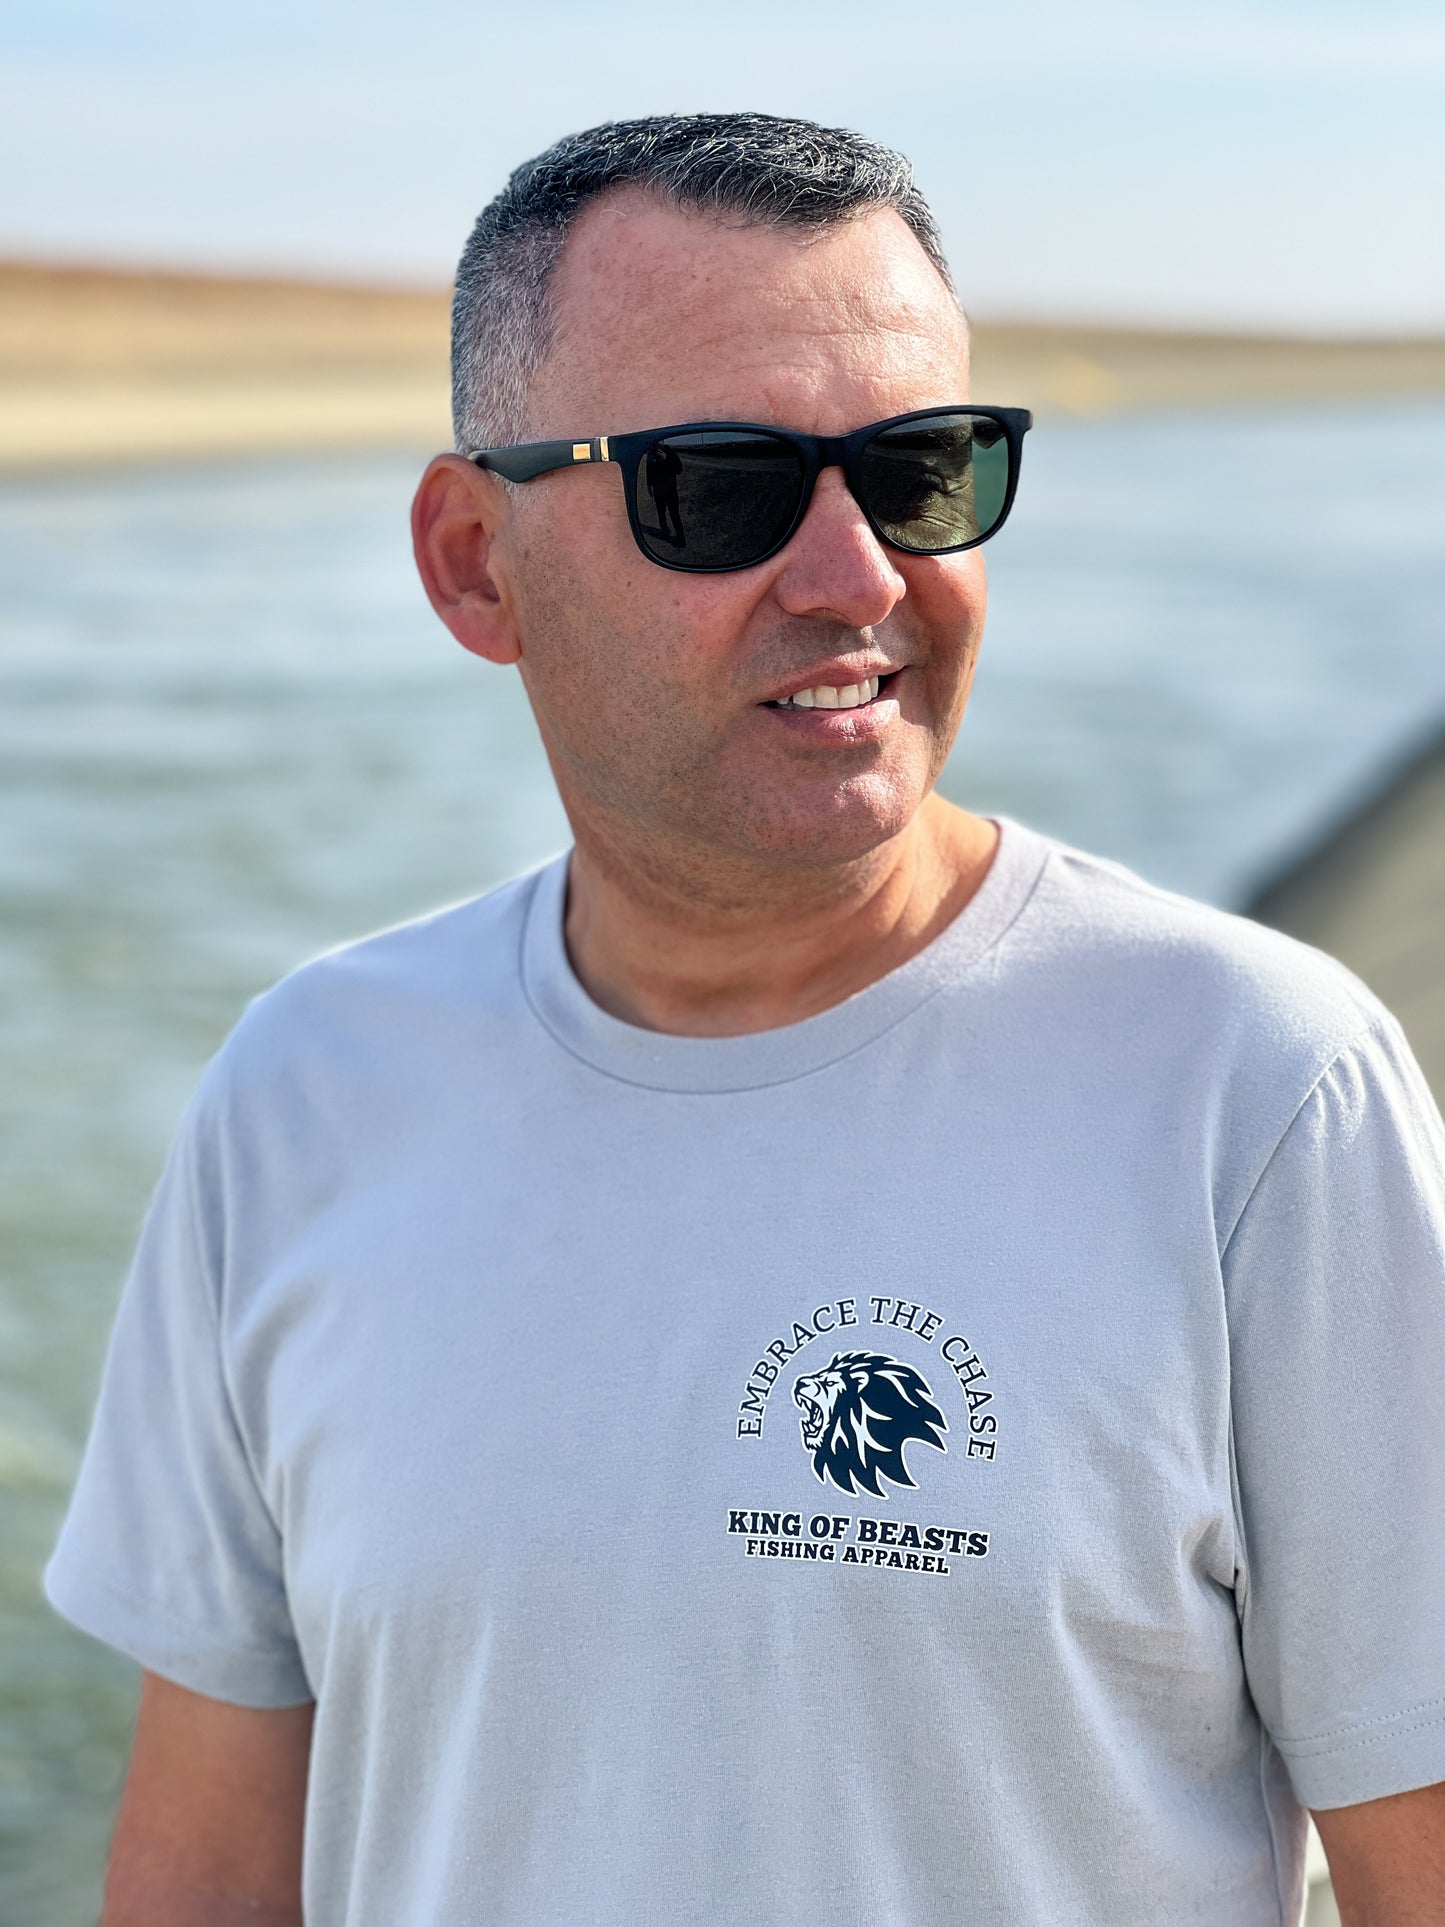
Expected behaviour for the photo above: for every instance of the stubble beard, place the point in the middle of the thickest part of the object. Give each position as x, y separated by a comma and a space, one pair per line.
660, 802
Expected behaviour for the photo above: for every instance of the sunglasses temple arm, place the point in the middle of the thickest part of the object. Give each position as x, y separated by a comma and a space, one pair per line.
524, 464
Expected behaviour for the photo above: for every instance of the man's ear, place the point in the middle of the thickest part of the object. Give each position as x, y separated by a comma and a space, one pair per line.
456, 519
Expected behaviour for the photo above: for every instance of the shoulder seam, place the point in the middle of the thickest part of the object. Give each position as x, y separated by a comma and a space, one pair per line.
211, 1292
1349, 1044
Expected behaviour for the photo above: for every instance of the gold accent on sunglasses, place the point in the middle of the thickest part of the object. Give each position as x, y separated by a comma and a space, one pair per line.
582, 451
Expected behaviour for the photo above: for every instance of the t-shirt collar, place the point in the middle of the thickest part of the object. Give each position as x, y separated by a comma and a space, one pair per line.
661, 1061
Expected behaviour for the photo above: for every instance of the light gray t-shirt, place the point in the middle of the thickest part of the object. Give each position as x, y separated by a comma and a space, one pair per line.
973, 1456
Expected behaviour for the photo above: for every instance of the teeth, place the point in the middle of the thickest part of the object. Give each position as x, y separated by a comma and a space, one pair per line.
825, 697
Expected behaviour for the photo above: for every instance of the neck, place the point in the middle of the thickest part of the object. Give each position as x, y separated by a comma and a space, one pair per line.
706, 954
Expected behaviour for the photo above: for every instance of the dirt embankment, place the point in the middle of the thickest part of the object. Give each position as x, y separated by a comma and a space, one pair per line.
110, 366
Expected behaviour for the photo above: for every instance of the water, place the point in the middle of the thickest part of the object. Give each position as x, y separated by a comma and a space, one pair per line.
231, 733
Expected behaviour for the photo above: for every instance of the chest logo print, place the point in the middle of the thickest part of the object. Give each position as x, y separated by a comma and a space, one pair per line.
859, 1412
858, 1415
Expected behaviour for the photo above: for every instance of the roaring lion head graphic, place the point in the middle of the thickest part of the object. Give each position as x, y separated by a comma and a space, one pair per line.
858, 1414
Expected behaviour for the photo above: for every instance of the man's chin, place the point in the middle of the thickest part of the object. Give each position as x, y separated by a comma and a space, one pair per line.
823, 833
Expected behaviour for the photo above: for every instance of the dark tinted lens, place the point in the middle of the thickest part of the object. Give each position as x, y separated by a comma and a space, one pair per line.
717, 498
936, 484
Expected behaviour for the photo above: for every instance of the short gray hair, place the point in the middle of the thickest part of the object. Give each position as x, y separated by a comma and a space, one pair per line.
760, 169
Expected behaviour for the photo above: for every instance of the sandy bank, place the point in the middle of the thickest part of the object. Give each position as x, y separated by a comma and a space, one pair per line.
104, 366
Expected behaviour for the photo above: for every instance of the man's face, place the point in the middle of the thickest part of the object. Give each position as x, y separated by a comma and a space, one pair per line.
655, 690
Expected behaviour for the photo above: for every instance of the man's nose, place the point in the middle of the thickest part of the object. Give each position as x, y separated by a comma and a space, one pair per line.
835, 565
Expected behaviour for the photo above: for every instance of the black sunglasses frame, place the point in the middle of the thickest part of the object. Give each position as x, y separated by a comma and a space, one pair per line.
524, 463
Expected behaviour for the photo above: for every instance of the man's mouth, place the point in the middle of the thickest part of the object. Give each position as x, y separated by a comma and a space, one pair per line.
850, 696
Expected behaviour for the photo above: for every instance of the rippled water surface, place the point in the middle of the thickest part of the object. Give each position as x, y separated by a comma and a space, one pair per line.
231, 734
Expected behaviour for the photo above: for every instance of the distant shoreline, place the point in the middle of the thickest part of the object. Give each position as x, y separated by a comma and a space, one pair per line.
106, 366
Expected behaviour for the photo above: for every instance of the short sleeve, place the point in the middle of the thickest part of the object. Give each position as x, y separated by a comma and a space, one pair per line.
1335, 1289
168, 1551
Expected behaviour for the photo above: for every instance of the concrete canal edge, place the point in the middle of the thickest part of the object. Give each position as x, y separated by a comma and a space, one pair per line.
1371, 891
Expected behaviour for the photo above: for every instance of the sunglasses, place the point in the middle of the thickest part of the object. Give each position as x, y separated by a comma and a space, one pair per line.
709, 496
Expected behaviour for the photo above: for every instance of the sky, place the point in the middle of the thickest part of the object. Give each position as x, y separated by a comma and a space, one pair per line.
1274, 165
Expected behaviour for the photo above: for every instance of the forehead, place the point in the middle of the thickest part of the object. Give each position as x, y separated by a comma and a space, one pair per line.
666, 315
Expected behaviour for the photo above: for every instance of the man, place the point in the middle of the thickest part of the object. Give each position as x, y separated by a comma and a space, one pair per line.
823, 1358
